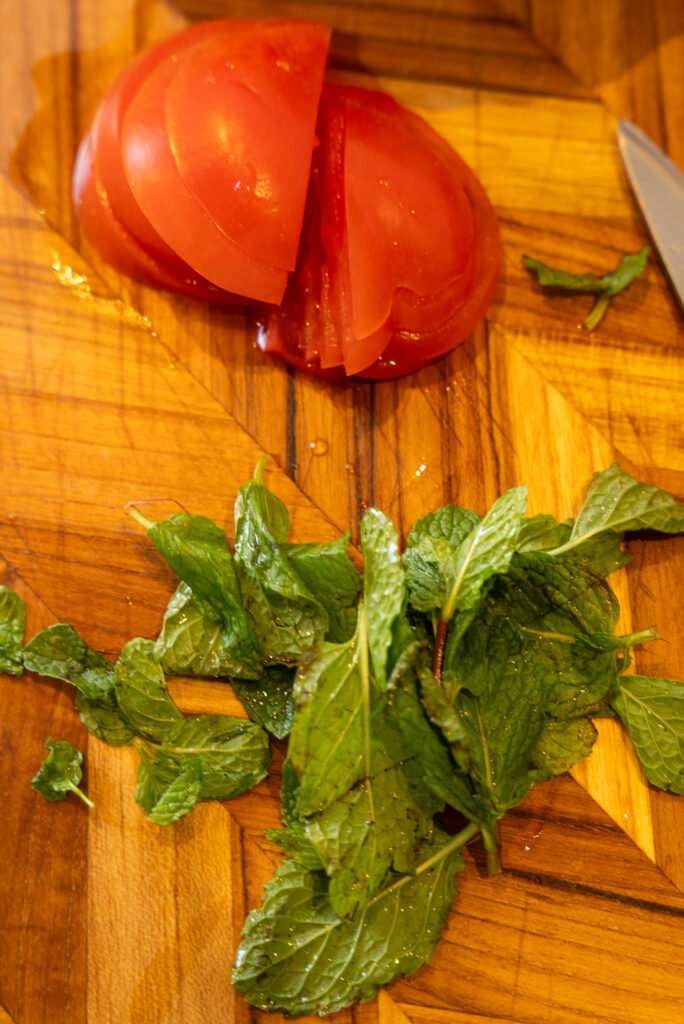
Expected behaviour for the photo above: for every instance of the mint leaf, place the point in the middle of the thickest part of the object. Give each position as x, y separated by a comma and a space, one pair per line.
190, 643
559, 745
104, 719
384, 593
332, 695
375, 827
358, 808
430, 551
165, 795
616, 502
59, 652
205, 757
601, 553
269, 700
299, 957
539, 652
288, 619
628, 269
331, 577
197, 550
12, 625
141, 691
542, 532
292, 838
234, 754
60, 772
652, 710
425, 745
485, 552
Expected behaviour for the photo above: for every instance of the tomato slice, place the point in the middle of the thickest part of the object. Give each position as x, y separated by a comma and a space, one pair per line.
174, 212
241, 115
408, 219
403, 265
115, 243
106, 131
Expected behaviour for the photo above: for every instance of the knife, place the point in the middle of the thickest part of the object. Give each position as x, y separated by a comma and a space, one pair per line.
658, 186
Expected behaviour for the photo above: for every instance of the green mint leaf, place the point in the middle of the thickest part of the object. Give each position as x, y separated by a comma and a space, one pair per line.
60, 772
560, 745
359, 808
12, 625
287, 618
141, 691
292, 838
374, 828
255, 499
431, 547
486, 551
616, 502
166, 796
333, 580
104, 719
197, 550
652, 710
389, 937
59, 652
329, 735
234, 754
601, 553
427, 760
540, 649
628, 269
190, 643
269, 700
542, 533
384, 593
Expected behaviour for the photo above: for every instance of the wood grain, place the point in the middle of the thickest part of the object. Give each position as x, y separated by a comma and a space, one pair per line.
112, 393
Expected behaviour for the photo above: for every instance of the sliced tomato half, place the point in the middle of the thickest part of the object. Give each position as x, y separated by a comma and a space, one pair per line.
115, 243
241, 115
400, 249
202, 148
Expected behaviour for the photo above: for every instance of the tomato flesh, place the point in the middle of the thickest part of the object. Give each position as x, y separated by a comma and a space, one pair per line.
174, 212
114, 241
400, 255
211, 168
241, 115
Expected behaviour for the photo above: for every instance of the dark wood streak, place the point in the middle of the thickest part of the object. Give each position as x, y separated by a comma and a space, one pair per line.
561, 885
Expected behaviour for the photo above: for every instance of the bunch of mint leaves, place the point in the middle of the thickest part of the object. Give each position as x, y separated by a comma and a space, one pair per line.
458, 673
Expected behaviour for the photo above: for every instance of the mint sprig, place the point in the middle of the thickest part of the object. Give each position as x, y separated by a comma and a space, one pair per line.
605, 287
461, 672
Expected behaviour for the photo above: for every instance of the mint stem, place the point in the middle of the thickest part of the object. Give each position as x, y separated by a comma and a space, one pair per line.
82, 795
438, 652
134, 513
492, 847
459, 840
597, 313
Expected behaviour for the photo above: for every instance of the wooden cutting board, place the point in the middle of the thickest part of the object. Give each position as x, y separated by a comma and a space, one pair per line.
112, 392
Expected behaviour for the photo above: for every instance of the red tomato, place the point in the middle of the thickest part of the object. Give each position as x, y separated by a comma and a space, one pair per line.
194, 177
241, 114
203, 149
116, 244
400, 255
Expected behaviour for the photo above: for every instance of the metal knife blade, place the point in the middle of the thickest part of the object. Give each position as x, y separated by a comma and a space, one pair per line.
658, 186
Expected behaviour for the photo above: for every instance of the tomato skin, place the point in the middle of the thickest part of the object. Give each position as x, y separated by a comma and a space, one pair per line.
194, 175
241, 115
147, 167
363, 301
116, 244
